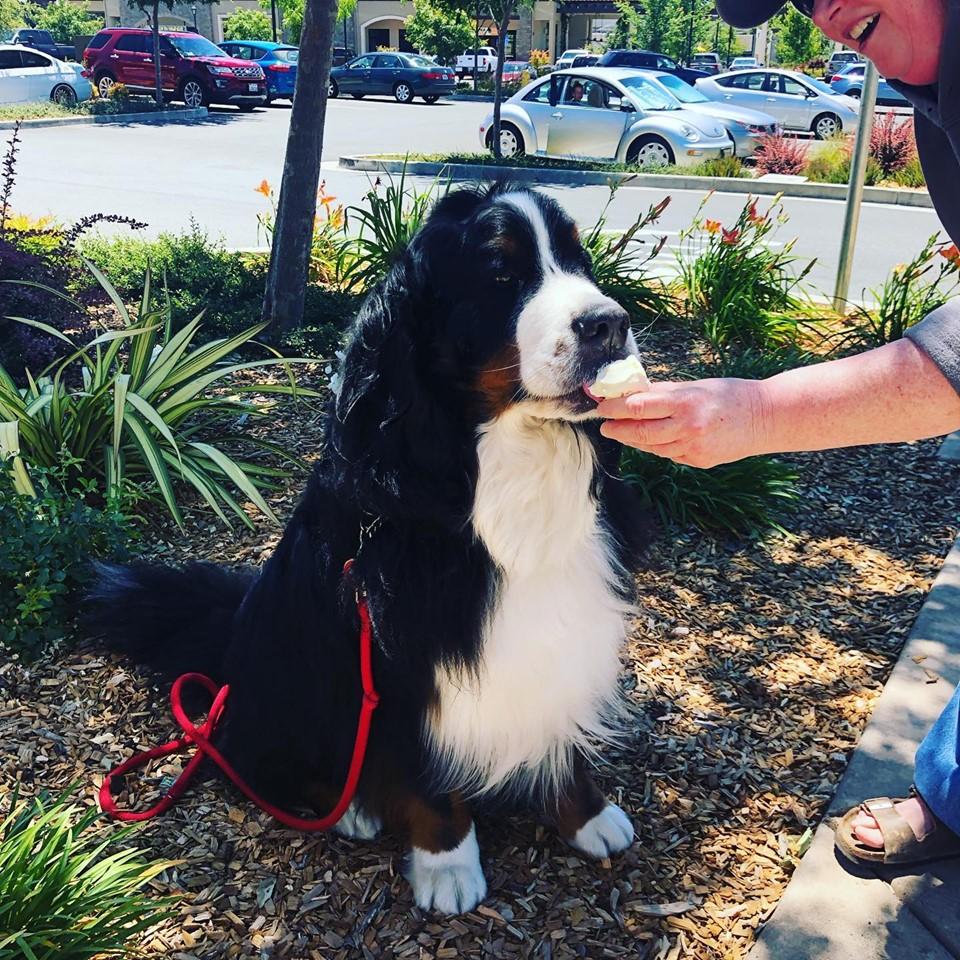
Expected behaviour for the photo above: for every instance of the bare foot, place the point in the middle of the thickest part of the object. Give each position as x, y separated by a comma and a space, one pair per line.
914, 811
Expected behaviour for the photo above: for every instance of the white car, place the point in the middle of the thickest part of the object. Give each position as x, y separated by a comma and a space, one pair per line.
607, 113
28, 75
798, 102
567, 58
744, 63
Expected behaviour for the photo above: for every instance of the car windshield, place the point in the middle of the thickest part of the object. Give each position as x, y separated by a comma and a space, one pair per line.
191, 47
287, 54
818, 85
682, 91
647, 95
743, 62
33, 35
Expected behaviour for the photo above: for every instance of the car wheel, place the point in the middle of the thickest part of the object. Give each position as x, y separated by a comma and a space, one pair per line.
511, 141
64, 95
246, 107
826, 125
403, 93
856, 94
358, 96
649, 151
193, 93
433, 98
333, 91
104, 84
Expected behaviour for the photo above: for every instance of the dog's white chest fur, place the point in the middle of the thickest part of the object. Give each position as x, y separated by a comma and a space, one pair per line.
547, 679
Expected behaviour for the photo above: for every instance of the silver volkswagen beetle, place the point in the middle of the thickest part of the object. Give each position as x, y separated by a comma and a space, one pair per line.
606, 113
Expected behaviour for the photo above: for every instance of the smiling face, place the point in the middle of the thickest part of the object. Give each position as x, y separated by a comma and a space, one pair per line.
902, 37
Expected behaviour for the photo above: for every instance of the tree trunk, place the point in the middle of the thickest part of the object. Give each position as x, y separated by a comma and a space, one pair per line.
502, 28
157, 73
297, 206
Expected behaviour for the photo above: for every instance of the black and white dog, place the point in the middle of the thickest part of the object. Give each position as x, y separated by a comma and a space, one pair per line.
464, 470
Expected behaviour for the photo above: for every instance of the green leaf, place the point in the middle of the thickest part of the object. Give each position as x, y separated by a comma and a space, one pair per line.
153, 458
236, 474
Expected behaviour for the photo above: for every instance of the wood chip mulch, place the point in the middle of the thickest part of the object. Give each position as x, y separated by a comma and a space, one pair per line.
751, 671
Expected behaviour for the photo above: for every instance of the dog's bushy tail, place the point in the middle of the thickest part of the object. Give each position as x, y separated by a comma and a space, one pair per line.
174, 619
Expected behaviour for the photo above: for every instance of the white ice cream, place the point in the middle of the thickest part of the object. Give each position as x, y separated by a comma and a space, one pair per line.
620, 378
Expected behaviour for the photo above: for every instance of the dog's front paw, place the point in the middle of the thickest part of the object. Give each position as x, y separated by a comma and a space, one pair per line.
610, 831
452, 881
357, 824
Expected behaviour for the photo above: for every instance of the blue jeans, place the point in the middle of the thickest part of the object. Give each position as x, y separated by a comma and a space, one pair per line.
937, 766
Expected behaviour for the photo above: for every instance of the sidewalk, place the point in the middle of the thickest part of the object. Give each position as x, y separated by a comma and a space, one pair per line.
895, 914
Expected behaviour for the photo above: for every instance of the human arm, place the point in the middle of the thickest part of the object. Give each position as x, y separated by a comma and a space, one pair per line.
891, 394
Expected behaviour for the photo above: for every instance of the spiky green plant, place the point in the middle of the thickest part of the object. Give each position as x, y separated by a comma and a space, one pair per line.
143, 403
621, 267
67, 890
384, 229
748, 497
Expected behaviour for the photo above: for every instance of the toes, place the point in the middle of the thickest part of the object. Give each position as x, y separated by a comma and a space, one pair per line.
871, 836
450, 882
609, 832
357, 824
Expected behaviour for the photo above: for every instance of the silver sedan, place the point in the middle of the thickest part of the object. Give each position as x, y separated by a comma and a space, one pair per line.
797, 101
606, 113
746, 127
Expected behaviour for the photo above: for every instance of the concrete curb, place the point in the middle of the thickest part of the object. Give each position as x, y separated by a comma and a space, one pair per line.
476, 171
885, 913
154, 116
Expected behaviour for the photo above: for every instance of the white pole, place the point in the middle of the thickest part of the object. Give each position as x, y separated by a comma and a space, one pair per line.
858, 168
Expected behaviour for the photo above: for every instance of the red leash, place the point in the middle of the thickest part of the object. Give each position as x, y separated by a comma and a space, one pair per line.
200, 737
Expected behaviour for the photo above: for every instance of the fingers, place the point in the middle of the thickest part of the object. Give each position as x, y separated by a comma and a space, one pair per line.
643, 434
653, 404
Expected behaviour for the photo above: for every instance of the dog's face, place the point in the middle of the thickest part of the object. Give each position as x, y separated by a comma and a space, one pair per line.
526, 322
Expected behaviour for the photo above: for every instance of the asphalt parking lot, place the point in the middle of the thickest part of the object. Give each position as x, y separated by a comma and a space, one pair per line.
208, 170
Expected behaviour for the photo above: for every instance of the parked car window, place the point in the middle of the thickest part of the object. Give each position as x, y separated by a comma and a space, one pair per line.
132, 43
10, 60
287, 54
790, 87
242, 52
647, 94
539, 94
388, 62
818, 85
665, 63
421, 63
98, 40
583, 92
34, 60
361, 63
745, 81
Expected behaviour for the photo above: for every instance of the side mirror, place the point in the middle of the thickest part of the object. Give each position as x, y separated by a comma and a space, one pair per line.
626, 106
812, 94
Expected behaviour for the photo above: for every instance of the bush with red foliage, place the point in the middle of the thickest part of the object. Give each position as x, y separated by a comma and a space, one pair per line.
892, 142
780, 154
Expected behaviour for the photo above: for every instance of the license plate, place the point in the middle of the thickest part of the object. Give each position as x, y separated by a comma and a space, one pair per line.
254, 87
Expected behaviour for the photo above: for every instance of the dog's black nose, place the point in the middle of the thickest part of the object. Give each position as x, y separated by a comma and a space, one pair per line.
603, 330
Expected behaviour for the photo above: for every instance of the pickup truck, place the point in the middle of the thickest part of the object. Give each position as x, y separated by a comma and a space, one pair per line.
42, 41
486, 58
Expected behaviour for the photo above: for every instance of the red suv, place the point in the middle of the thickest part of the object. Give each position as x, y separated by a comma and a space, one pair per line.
192, 68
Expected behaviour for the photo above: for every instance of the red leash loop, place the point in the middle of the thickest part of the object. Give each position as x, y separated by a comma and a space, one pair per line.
200, 737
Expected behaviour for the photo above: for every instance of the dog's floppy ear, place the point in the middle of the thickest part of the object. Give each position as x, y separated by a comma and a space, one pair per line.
400, 437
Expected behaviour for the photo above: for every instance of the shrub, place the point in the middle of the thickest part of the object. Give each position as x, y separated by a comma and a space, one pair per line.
832, 163
247, 25
68, 891
385, 227
144, 399
911, 174
327, 314
200, 274
621, 270
780, 154
911, 291
723, 167
740, 292
539, 58
748, 497
49, 539
892, 143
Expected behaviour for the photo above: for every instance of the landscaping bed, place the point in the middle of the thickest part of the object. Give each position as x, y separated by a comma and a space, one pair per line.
751, 669
119, 103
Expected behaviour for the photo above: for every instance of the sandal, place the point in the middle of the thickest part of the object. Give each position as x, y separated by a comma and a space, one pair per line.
900, 843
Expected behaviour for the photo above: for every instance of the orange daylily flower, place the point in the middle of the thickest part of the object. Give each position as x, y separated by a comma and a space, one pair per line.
730, 236
713, 226
264, 188
951, 253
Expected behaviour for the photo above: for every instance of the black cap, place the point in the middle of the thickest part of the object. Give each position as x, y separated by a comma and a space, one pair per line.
747, 13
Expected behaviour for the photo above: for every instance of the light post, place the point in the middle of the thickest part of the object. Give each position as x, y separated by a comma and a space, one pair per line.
193, 10
693, 8
273, 18
858, 167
